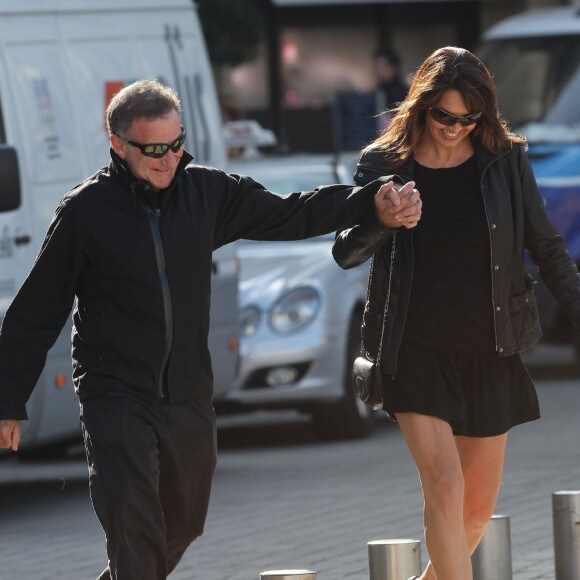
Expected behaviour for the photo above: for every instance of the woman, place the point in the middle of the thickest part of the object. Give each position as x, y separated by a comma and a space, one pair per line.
459, 305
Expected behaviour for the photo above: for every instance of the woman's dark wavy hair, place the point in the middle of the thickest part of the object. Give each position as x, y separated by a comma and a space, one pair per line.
446, 68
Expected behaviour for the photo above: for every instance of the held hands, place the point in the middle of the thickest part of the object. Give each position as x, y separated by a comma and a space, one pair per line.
398, 205
9, 434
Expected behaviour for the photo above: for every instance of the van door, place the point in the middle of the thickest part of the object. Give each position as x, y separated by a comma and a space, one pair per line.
15, 228
48, 140
15, 236
59, 67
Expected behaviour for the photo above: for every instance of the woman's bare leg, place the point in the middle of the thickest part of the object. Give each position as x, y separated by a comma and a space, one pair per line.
481, 460
437, 458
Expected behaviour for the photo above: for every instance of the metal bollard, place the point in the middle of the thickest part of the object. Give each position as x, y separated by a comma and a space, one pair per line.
288, 575
492, 560
394, 559
566, 517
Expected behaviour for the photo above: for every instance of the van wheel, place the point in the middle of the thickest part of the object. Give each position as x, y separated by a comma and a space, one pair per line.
350, 418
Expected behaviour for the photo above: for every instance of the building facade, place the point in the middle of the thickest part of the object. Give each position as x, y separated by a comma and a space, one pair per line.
316, 70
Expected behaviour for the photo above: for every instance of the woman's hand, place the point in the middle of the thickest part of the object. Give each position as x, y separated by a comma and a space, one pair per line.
398, 205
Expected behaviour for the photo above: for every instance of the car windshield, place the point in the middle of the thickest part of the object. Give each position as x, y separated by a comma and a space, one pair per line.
289, 179
538, 83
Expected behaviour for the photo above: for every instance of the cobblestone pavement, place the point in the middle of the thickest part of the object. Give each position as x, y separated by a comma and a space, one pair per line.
282, 499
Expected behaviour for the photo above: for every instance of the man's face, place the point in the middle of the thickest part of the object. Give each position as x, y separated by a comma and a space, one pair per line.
158, 172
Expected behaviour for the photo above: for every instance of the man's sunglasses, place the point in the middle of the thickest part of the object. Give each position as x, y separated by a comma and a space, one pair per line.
445, 118
158, 150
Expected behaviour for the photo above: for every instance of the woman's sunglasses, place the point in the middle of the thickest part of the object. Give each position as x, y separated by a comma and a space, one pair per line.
445, 118
158, 150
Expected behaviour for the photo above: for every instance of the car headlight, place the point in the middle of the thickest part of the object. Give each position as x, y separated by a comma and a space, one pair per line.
249, 320
294, 310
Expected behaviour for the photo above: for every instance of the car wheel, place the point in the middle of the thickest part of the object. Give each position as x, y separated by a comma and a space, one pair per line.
350, 418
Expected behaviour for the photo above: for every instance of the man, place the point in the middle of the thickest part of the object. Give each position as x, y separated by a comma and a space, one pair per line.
133, 243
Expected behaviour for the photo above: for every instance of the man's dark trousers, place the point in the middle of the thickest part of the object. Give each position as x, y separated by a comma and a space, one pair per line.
150, 472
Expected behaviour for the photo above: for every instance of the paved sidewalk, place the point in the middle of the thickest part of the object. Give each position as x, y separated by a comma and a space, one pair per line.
282, 499
365, 490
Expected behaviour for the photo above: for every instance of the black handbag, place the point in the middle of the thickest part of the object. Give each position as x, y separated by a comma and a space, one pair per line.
366, 372
368, 382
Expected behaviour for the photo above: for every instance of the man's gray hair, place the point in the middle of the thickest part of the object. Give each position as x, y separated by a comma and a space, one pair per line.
145, 99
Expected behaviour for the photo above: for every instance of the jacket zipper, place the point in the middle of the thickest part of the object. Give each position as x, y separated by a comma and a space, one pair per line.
491, 265
155, 225
493, 302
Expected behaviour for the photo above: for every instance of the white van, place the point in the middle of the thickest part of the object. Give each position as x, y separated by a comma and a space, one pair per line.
60, 63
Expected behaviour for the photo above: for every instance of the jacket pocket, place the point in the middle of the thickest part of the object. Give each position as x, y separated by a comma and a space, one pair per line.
524, 313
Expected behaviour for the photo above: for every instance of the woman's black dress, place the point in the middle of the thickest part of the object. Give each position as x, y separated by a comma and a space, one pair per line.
447, 364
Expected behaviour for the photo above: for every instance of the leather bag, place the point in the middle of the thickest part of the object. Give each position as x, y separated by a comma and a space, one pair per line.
368, 382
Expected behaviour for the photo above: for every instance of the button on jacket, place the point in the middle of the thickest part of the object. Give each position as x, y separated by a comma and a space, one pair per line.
516, 219
139, 263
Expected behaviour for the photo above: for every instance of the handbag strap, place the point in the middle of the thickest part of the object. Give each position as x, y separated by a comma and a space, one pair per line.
392, 262
387, 301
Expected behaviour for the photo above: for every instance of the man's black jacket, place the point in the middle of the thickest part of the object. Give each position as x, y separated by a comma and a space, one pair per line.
142, 277
517, 220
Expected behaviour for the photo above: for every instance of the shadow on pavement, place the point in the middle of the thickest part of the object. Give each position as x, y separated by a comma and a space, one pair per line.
272, 430
31, 497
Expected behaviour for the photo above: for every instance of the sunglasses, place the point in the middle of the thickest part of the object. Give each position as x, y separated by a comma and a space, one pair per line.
158, 150
445, 118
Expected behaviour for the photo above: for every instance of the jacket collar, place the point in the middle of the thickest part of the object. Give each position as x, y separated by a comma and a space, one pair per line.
485, 157
120, 170
379, 161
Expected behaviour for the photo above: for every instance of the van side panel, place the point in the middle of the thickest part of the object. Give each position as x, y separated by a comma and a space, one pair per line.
59, 66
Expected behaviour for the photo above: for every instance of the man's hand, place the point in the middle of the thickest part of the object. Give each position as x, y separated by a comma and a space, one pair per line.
9, 434
397, 205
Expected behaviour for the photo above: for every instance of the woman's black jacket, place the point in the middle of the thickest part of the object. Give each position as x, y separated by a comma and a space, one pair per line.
140, 267
516, 220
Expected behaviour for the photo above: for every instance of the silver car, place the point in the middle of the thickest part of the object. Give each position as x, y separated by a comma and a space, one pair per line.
299, 313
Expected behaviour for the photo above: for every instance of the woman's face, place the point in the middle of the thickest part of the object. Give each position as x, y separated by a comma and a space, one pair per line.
449, 136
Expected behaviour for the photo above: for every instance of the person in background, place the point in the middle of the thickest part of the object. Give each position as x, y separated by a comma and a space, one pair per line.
133, 244
450, 300
391, 88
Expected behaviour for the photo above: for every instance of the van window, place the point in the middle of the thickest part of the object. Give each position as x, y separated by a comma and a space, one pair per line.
537, 81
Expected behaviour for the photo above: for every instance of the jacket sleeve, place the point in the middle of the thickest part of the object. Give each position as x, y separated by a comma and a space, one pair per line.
547, 247
37, 314
248, 210
354, 246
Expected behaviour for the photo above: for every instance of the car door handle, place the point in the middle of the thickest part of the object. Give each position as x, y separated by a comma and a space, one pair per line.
22, 240
214, 268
